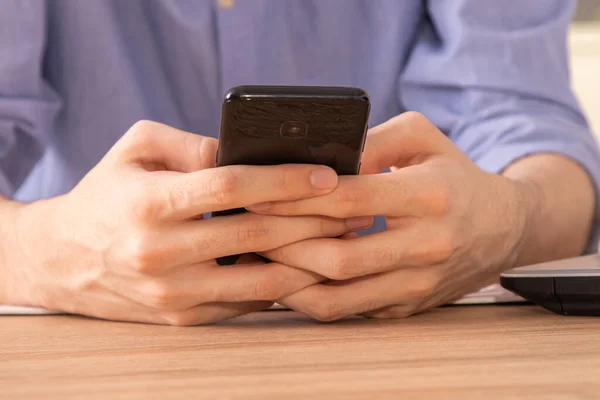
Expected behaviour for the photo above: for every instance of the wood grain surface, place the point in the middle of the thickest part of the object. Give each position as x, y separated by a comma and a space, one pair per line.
478, 352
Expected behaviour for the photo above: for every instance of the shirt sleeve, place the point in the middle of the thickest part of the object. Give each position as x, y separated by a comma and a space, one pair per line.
494, 76
28, 105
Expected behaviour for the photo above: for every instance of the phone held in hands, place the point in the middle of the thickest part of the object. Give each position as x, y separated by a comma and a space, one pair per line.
273, 125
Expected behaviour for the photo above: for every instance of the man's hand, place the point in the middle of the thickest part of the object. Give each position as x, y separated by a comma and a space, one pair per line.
451, 228
130, 242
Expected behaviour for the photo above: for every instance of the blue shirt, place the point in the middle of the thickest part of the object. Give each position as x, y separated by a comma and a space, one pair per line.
74, 75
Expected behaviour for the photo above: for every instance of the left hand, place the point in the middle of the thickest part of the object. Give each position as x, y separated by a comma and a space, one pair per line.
451, 228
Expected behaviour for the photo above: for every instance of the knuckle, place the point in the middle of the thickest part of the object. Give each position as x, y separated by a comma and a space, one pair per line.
180, 318
162, 296
206, 149
440, 199
441, 248
139, 254
414, 119
396, 312
142, 206
143, 210
203, 148
415, 125
338, 264
139, 131
223, 186
437, 248
285, 179
324, 226
352, 199
279, 255
175, 197
406, 313
386, 256
400, 314
254, 231
267, 289
210, 293
142, 125
327, 311
423, 287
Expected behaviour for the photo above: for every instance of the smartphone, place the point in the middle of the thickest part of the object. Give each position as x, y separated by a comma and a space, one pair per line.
273, 125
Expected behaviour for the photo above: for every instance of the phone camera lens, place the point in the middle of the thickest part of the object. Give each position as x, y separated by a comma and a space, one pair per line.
294, 129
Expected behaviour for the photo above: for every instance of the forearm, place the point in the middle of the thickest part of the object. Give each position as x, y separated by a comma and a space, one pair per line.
559, 201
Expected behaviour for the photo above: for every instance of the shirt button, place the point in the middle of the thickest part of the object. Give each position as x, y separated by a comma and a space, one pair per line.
226, 3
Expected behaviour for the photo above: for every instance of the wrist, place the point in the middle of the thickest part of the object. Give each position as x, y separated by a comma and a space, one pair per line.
9, 212
525, 210
24, 247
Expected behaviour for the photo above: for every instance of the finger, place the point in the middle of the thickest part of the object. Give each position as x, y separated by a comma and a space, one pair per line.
210, 313
104, 303
242, 283
199, 284
406, 310
196, 241
450, 292
198, 315
447, 291
369, 254
405, 140
183, 196
409, 192
162, 147
100, 302
327, 302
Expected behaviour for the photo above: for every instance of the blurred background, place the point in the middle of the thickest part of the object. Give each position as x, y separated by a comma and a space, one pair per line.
584, 40
588, 10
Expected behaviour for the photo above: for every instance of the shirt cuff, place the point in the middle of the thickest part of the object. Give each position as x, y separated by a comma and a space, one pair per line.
6, 188
20, 310
588, 158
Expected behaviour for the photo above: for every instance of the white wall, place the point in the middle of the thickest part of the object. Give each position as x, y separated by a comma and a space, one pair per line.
585, 70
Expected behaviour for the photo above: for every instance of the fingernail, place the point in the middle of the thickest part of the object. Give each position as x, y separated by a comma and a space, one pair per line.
324, 178
260, 207
357, 223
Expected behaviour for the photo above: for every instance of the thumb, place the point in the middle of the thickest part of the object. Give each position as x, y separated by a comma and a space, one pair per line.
158, 146
404, 140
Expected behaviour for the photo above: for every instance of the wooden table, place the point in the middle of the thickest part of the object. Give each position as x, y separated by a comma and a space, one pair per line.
478, 352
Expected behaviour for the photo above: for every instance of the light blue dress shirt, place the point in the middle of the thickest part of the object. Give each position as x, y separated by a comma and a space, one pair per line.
74, 74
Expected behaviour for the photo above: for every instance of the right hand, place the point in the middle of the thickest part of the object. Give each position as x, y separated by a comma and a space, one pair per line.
129, 241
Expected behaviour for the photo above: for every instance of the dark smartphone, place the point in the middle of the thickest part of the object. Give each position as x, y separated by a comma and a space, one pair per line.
273, 125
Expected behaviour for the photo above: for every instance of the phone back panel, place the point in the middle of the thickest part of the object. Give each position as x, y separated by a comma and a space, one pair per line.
300, 125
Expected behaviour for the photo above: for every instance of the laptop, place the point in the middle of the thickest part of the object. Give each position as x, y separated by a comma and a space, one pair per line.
569, 287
